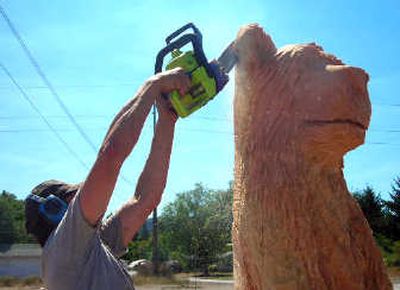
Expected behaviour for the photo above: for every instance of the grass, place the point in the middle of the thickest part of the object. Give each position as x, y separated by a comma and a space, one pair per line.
394, 272
215, 276
225, 276
156, 280
12, 281
176, 280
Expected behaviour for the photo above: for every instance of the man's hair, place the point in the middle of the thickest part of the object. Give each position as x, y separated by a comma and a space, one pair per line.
35, 223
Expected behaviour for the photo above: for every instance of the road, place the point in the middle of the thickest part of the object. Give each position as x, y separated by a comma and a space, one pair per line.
197, 283
203, 284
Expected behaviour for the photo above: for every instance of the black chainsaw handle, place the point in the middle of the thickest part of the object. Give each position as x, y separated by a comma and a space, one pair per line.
180, 42
182, 29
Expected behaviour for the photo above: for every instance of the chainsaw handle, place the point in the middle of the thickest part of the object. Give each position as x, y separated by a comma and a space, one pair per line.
183, 40
182, 29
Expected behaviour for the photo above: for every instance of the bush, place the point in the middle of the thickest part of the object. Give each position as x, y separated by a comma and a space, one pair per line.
7, 281
212, 268
390, 250
138, 250
392, 258
225, 262
28, 281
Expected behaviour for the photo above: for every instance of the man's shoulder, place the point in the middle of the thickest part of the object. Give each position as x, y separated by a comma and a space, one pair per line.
72, 239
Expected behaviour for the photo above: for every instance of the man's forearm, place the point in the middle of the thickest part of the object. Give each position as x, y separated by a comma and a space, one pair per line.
126, 127
122, 136
151, 182
153, 179
118, 143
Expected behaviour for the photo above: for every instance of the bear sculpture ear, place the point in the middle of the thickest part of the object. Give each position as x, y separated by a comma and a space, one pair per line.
254, 46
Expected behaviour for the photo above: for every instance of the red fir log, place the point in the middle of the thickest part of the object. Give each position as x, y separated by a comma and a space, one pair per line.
297, 111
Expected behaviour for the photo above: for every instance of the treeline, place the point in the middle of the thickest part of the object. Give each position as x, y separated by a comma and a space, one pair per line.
383, 217
195, 228
12, 220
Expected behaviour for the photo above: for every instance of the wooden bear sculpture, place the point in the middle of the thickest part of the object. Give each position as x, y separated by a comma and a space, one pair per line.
297, 111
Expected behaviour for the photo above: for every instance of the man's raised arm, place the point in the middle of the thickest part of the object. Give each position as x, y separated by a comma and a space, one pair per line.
153, 178
121, 137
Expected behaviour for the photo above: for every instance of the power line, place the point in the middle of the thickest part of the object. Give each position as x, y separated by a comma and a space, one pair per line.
385, 131
48, 84
32, 104
44, 78
32, 130
38, 87
29, 117
52, 129
386, 105
83, 116
39, 130
105, 116
181, 129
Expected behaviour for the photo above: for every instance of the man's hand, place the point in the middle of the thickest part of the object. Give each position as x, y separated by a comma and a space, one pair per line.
122, 136
170, 80
165, 110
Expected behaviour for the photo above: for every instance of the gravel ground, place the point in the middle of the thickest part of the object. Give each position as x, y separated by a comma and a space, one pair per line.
191, 286
160, 287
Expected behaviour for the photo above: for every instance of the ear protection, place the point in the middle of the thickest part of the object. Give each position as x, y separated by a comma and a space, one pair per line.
51, 208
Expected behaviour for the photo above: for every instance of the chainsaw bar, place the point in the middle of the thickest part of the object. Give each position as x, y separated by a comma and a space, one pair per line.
228, 58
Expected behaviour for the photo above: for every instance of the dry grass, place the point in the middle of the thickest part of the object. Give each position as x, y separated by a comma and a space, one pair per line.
394, 272
176, 282
156, 280
20, 283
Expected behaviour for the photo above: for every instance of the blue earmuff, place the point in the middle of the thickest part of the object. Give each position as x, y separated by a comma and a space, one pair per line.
52, 208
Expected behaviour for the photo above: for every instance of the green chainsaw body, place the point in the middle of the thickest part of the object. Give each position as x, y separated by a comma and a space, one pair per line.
207, 78
203, 87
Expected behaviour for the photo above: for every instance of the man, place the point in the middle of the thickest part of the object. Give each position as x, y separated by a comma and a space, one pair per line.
79, 252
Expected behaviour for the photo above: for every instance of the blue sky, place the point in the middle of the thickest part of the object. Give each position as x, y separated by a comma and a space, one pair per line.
97, 53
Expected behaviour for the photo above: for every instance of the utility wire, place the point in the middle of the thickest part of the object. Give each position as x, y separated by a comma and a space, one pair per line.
109, 116
39, 130
182, 129
44, 78
48, 84
32, 104
38, 87
127, 84
91, 117
386, 105
105, 116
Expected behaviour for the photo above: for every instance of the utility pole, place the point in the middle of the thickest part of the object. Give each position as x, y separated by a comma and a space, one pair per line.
155, 222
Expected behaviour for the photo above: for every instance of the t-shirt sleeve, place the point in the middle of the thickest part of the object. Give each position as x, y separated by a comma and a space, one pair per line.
111, 235
73, 238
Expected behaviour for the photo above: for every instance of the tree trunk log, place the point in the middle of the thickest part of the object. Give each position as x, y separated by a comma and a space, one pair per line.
297, 111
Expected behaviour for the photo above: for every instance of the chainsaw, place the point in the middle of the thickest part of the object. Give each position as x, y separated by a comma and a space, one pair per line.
208, 78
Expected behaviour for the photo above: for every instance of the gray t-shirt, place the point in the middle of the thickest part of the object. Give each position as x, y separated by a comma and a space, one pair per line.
78, 256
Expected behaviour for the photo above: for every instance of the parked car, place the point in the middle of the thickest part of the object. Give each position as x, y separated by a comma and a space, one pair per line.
172, 266
142, 267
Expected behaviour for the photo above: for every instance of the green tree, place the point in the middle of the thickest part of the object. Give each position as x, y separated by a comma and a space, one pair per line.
373, 208
12, 220
8, 233
138, 249
393, 206
196, 227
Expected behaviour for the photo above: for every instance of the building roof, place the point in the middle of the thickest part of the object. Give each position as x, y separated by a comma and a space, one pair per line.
20, 250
